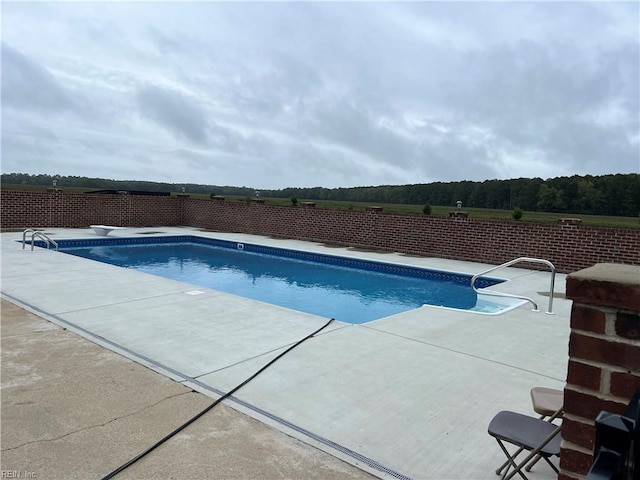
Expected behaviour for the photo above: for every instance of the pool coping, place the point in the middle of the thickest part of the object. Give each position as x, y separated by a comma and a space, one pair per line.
360, 264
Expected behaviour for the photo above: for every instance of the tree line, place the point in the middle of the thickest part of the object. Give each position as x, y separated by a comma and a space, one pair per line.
130, 185
617, 194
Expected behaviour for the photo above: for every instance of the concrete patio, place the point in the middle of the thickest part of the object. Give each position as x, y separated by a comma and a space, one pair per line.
408, 396
72, 409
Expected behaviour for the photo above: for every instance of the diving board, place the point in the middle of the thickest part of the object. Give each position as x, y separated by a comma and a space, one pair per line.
104, 229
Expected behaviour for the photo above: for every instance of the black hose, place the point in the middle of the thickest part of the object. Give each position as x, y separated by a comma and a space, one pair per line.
197, 416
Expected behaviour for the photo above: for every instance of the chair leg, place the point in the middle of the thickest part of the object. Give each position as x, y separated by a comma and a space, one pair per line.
511, 463
533, 462
551, 465
506, 464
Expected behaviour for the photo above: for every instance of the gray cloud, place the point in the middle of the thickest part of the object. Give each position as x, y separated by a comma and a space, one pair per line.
321, 93
174, 111
28, 85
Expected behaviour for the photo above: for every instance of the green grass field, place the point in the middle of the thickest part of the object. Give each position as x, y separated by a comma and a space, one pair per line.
442, 211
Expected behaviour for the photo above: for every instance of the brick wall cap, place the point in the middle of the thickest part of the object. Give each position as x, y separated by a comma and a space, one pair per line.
606, 284
610, 272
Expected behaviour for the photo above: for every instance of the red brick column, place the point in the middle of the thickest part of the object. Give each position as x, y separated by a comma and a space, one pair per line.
55, 207
604, 356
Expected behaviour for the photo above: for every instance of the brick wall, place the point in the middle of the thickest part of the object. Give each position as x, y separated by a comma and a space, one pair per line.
604, 356
55, 208
569, 246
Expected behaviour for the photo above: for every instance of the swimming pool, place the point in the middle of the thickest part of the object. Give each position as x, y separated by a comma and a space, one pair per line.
348, 289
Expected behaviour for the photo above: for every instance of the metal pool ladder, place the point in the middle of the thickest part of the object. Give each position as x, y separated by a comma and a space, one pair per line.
512, 262
41, 235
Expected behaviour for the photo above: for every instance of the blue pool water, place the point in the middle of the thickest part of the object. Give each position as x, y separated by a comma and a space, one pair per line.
349, 290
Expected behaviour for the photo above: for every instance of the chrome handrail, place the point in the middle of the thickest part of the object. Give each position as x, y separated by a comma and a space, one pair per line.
512, 262
24, 235
40, 234
44, 237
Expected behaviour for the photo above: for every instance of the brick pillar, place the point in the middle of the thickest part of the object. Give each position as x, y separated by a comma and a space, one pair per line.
183, 197
125, 209
56, 205
604, 356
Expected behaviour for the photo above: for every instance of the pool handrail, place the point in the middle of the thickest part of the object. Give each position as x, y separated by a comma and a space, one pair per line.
522, 297
24, 235
41, 235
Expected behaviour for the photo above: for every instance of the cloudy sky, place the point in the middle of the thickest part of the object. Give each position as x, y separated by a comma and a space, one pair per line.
278, 94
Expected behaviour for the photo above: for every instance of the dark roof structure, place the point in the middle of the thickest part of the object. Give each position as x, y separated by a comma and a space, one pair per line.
130, 192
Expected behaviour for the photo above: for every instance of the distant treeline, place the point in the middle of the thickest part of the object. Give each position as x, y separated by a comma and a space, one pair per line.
595, 195
107, 184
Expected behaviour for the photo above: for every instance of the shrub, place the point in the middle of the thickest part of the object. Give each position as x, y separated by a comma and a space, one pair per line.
517, 213
294, 201
426, 209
